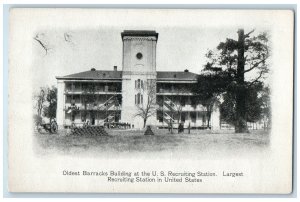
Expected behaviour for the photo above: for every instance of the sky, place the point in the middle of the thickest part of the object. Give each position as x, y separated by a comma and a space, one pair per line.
73, 51
81, 39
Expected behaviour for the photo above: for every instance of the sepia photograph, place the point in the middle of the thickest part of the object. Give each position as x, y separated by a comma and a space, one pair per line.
151, 101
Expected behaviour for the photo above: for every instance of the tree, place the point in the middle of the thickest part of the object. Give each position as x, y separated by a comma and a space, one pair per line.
244, 63
39, 101
40, 39
37, 120
253, 105
148, 108
208, 89
51, 98
266, 106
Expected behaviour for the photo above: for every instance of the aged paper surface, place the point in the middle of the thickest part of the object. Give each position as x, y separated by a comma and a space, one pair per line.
49, 43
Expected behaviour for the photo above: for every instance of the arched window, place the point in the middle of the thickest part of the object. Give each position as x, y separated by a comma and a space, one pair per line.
141, 99
139, 83
135, 100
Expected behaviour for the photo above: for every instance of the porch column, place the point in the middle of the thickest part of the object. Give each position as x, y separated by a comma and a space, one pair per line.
215, 118
189, 119
196, 125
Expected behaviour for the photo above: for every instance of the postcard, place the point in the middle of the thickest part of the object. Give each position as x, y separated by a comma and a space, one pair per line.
150, 100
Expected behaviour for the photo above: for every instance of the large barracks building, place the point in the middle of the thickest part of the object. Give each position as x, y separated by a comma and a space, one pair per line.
118, 96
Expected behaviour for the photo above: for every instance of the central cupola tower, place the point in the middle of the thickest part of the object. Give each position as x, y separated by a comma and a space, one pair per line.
138, 74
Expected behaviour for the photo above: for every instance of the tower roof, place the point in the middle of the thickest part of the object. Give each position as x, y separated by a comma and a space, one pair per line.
139, 33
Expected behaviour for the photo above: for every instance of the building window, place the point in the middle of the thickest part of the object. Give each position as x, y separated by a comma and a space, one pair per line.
138, 99
73, 116
159, 116
182, 101
139, 56
183, 117
203, 119
139, 84
193, 117
106, 88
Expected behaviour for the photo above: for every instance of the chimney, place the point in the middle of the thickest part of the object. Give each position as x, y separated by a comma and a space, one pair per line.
186, 70
115, 68
93, 69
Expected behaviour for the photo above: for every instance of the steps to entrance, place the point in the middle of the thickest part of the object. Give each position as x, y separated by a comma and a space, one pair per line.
90, 131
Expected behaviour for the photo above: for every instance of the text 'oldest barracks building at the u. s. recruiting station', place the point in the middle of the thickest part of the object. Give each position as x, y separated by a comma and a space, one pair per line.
101, 96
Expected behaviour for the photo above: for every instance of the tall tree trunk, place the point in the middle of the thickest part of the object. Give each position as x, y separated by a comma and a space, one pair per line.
145, 120
39, 112
241, 123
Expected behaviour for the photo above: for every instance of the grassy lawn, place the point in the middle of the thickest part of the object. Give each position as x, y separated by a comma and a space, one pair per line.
127, 143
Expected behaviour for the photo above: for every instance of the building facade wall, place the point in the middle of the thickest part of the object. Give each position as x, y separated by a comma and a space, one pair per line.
139, 64
91, 102
138, 77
